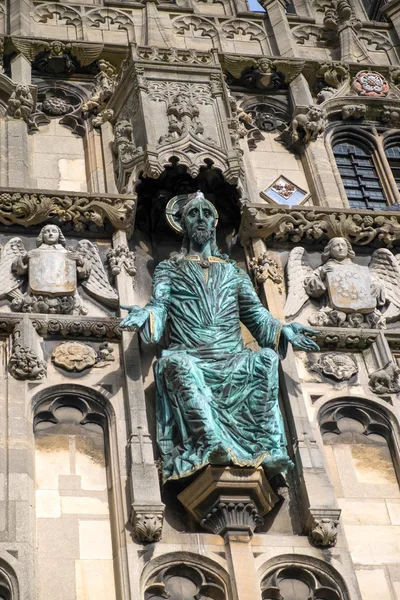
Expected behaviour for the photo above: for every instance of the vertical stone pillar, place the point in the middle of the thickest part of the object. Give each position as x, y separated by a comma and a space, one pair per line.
17, 131
19, 17
318, 169
107, 140
392, 12
241, 565
147, 509
276, 10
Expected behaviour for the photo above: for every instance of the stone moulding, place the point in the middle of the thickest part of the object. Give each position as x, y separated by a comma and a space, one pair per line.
147, 521
65, 327
314, 225
79, 210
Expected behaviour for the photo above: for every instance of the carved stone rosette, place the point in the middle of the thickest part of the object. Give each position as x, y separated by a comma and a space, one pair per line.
147, 522
224, 499
323, 530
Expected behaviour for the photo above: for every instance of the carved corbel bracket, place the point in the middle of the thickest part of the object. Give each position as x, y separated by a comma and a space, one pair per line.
26, 360
323, 526
229, 499
147, 522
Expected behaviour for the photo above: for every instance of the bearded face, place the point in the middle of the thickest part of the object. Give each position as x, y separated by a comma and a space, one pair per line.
199, 221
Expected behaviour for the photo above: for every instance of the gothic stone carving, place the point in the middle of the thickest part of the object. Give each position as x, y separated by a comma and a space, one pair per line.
385, 380
21, 103
147, 522
75, 356
350, 295
304, 128
354, 111
183, 118
228, 499
57, 58
334, 74
76, 211
260, 73
336, 366
324, 527
310, 225
265, 267
124, 146
104, 85
53, 273
26, 360
121, 258
370, 83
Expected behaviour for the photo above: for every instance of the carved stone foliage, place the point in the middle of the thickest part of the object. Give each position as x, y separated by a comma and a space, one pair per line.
305, 128
175, 55
313, 225
75, 356
121, 258
334, 74
390, 116
311, 583
336, 366
183, 578
385, 380
183, 101
147, 522
45, 280
65, 326
26, 360
370, 83
347, 294
75, 212
350, 339
265, 267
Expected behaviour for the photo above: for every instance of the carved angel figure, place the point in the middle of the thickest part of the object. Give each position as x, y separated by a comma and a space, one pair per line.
45, 280
350, 295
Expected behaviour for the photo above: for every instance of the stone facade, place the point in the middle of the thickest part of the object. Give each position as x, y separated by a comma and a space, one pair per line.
287, 119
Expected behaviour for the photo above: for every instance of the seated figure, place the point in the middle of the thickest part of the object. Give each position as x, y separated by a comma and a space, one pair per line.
217, 401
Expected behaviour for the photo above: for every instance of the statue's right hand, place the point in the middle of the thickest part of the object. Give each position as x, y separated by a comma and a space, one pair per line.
137, 317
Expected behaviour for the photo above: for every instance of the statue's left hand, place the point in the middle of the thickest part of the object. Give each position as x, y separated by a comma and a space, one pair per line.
295, 333
137, 317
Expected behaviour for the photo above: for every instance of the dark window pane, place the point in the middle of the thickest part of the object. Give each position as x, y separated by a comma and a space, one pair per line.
359, 176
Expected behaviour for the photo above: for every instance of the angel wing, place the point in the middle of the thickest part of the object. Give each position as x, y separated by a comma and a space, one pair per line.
29, 48
97, 284
235, 64
10, 281
385, 270
86, 53
298, 268
290, 71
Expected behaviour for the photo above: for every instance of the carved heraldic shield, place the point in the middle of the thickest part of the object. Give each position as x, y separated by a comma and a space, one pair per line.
52, 272
350, 289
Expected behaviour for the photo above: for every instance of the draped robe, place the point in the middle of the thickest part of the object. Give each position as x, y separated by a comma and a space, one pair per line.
211, 391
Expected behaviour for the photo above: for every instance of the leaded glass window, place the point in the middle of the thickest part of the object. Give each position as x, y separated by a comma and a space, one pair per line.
359, 176
393, 156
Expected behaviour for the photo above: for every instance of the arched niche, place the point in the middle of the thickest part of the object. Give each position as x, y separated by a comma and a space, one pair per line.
185, 576
296, 577
73, 493
153, 195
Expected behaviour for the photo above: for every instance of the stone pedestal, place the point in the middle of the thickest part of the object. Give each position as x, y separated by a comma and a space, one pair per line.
229, 499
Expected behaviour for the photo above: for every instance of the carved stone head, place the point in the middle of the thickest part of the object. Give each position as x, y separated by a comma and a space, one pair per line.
50, 235
339, 249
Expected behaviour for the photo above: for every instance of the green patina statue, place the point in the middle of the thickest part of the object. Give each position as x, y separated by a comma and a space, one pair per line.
217, 401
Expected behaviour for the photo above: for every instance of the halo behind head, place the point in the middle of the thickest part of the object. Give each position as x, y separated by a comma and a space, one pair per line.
175, 206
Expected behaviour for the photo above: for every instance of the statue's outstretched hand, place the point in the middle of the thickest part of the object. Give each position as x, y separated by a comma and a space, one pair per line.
137, 317
295, 333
